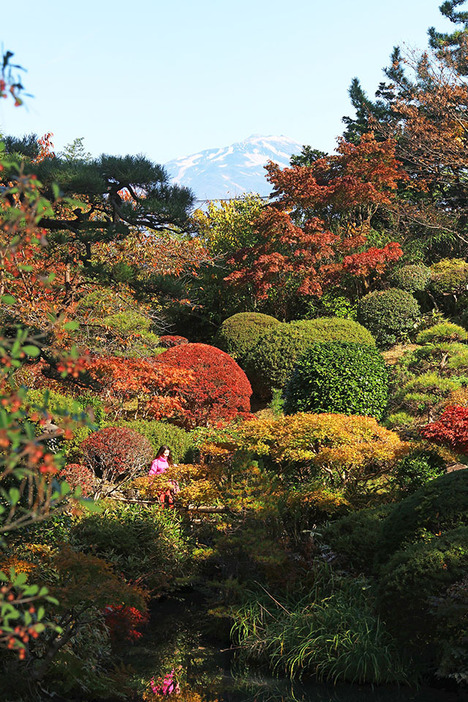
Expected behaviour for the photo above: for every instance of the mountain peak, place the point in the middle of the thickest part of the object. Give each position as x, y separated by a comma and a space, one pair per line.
230, 171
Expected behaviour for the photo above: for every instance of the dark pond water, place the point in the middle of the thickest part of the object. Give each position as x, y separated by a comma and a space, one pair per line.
178, 638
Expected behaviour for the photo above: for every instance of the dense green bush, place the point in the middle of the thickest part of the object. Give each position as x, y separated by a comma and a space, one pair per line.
336, 329
436, 507
412, 579
145, 544
449, 277
338, 377
239, 333
389, 314
444, 331
162, 433
356, 537
416, 469
271, 361
412, 277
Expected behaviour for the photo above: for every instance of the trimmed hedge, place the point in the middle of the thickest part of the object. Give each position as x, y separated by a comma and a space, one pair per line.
388, 314
336, 329
271, 361
412, 277
338, 377
217, 391
239, 333
160, 434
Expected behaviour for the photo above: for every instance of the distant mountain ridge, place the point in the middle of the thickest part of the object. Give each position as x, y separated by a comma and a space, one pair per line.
232, 170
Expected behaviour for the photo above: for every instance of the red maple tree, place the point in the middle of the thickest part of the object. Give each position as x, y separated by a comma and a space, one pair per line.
314, 233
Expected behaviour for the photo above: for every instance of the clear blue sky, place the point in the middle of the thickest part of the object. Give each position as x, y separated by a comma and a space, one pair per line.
169, 78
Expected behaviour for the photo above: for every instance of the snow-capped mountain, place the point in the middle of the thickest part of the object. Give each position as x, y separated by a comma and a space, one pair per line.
230, 171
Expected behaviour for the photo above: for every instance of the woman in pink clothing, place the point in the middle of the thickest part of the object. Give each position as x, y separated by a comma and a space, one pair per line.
160, 464
162, 461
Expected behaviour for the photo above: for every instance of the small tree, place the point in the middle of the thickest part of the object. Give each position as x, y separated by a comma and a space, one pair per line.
450, 430
116, 455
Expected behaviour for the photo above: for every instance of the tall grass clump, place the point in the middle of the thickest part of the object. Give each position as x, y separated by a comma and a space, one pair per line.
331, 634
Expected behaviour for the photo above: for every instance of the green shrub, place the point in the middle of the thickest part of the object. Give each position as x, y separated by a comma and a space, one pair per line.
160, 434
239, 333
338, 377
438, 506
416, 469
423, 395
412, 277
445, 358
412, 579
356, 537
449, 277
445, 331
336, 329
145, 544
270, 362
390, 315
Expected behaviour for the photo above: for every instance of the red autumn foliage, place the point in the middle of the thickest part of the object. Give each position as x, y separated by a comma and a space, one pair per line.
315, 232
123, 623
78, 475
116, 454
450, 430
359, 176
218, 389
372, 261
170, 340
140, 381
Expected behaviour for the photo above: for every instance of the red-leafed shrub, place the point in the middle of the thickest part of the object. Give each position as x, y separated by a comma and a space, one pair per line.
123, 623
450, 430
219, 389
116, 454
170, 340
78, 475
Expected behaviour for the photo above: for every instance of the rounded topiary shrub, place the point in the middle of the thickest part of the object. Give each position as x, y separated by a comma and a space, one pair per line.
216, 388
336, 329
389, 314
449, 277
162, 433
338, 377
239, 333
412, 278
115, 454
271, 361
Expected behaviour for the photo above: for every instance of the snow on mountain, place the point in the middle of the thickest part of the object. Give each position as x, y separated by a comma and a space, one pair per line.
227, 172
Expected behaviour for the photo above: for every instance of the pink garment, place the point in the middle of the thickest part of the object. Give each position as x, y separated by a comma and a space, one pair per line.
158, 466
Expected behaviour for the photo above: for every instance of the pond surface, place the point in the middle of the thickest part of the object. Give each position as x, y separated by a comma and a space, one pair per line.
179, 639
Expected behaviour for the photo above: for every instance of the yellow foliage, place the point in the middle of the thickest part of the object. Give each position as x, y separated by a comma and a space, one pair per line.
19, 565
344, 447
